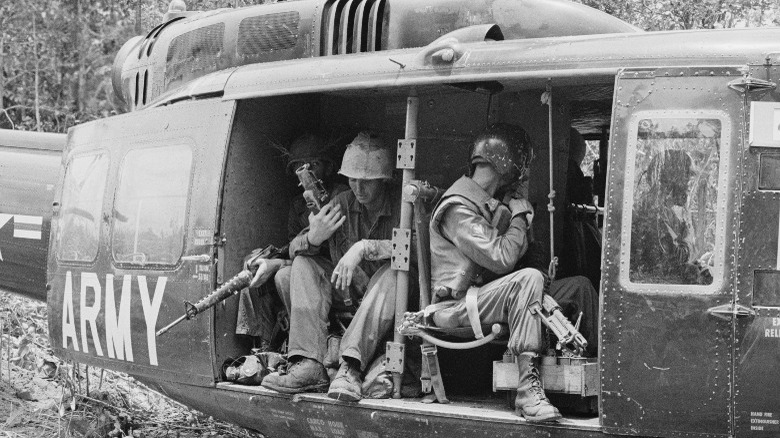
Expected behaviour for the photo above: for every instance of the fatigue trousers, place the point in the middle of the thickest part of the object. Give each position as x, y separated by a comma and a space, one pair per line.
257, 312
574, 295
311, 298
507, 299
504, 300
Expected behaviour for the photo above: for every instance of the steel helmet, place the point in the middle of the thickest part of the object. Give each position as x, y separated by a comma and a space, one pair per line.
367, 158
506, 147
306, 148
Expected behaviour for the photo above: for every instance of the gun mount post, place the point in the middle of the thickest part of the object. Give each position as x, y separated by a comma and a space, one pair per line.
406, 161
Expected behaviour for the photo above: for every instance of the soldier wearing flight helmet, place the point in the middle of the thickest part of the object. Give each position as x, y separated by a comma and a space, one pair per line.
473, 234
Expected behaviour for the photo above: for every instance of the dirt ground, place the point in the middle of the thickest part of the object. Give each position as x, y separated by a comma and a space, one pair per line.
42, 396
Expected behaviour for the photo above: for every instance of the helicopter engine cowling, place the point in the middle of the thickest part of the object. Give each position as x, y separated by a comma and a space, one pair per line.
194, 44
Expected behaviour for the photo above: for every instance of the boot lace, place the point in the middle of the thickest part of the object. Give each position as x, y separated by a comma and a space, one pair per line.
536, 384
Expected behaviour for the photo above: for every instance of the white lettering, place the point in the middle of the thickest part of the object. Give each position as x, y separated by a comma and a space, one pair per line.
68, 317
776, 322
118, 331
772, 333
90, 313
151, 310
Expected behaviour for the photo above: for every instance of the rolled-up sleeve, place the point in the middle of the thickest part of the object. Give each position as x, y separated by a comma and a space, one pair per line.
377, 249
300, 245
482, 243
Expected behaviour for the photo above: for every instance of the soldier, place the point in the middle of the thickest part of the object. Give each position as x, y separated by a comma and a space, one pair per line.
356, 227
466, 241
259, 310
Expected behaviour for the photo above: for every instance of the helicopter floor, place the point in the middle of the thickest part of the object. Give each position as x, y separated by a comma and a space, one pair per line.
488, 408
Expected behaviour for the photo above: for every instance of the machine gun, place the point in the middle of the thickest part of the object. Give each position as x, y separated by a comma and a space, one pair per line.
228, 289
570, 340
313, 190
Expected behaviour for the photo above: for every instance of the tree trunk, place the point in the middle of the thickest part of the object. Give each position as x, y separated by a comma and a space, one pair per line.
82, 81
2, 70
138, 17
38, 126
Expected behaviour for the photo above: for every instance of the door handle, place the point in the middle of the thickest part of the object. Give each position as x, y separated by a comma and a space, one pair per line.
202, 258
731, 310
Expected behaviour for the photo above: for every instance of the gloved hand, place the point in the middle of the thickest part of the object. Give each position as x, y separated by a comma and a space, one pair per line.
345, 269
323, 224
522, 206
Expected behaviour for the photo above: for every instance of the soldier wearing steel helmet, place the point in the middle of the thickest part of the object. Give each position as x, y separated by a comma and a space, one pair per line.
356, 228
260, 305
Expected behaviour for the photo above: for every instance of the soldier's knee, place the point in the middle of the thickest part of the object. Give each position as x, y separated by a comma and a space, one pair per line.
530, 277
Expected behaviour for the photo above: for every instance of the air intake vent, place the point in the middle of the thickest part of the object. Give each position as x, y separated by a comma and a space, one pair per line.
352, 26
268, 33
194, 54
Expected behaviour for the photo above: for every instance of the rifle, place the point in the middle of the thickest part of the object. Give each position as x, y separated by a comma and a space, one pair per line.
313, 189
230, 288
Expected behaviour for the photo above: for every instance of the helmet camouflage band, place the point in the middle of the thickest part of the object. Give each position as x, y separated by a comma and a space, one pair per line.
306, 148
367, 158
506, 147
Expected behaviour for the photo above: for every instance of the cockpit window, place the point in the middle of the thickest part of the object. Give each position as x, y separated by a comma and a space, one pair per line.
677, 187
82, 201
150, 207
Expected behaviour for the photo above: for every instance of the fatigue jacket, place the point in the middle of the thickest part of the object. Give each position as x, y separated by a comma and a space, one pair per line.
466, 238
376, 236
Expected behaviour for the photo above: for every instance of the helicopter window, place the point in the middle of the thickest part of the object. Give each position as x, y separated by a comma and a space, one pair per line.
676, 235
150, 206
82, 201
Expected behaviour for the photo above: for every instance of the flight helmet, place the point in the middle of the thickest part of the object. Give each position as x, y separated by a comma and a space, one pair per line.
506, 147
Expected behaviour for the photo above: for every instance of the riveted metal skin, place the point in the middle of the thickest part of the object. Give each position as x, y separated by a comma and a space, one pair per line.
203, 127
29, 166
756, 380
663, 357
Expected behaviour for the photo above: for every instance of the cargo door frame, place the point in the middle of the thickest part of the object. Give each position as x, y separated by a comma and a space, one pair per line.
199, 129
757, 309
663, 353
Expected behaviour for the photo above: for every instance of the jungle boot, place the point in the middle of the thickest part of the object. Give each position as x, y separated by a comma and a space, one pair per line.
347, 384
531, 403
303, 375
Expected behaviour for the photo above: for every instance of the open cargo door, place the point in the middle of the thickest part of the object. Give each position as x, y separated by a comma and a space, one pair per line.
134, 236
666, 351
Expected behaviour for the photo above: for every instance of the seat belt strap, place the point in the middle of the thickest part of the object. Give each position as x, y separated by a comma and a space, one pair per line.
473, 311
430, 372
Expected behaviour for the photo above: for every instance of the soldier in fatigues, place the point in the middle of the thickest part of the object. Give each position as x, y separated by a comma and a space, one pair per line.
260, 306
467, 242
356, 228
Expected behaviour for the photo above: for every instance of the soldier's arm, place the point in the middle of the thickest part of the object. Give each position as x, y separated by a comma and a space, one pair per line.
482, 243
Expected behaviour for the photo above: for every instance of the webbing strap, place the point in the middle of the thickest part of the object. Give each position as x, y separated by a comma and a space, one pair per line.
430, 365
473, 312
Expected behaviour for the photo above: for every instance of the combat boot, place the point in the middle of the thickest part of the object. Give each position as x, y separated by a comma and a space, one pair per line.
531, 403
303, 375
347, 384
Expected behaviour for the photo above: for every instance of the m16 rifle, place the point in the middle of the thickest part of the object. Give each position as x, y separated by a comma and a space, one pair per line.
228, 289
314, 191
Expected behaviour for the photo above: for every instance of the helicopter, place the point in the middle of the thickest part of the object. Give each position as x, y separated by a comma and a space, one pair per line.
119, 222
